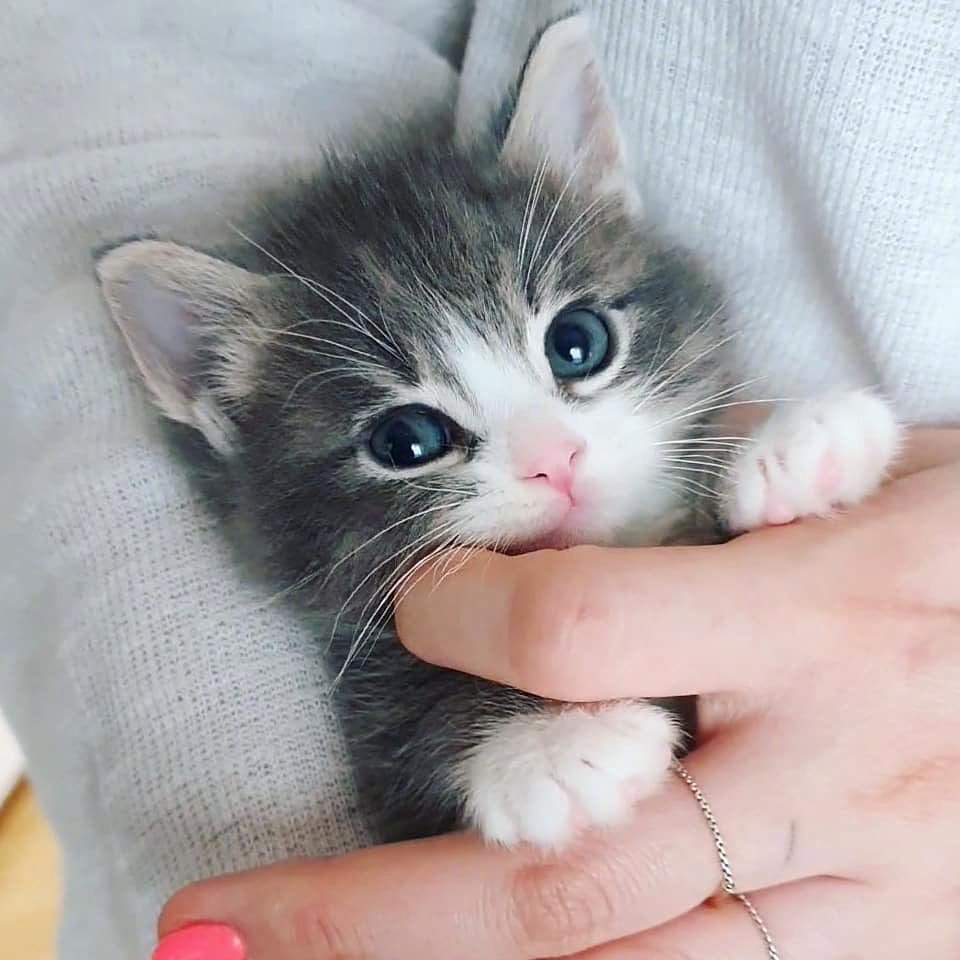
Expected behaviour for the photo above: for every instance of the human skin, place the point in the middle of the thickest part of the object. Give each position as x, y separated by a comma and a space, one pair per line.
827, 654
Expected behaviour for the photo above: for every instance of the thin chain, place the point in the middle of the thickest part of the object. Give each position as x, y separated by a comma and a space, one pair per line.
726, 872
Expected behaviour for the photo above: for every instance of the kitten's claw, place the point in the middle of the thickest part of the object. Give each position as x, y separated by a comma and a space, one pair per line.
810, 457
537, 778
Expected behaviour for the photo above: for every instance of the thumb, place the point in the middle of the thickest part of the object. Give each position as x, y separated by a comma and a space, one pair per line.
441, 897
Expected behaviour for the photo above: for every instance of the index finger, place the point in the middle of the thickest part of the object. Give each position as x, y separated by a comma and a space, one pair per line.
592, 623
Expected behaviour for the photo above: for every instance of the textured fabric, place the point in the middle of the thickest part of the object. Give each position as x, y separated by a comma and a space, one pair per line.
175, 721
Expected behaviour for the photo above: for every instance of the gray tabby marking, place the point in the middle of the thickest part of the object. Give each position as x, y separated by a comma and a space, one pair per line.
431, 345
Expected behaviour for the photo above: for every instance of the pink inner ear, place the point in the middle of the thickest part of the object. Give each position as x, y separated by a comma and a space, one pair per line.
160, 327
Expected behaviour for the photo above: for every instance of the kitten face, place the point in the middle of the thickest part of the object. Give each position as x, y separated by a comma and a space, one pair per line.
543, 420
436, 346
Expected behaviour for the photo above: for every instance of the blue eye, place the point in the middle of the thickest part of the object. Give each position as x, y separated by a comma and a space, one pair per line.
577, 344
411, 436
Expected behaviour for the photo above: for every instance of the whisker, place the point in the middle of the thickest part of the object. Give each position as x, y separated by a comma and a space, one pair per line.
533, 197
587, 217
452, 548
462, 560
404, 550
693, 486
323, 341
312, 352
386, 600
429, 488
699, 403
708, 320
314, 575
695, 470
545, 229
694, 411
696, 460
318, 289
729, 441
436, 508
453, 561
330, 374
697, 505
357, 328
659, 388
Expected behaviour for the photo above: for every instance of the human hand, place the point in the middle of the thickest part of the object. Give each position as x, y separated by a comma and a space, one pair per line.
829, 652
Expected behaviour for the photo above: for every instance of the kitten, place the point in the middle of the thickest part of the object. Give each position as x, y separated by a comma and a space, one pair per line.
433, 344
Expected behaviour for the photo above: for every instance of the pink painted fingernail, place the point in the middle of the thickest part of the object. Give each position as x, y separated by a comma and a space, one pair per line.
201, 941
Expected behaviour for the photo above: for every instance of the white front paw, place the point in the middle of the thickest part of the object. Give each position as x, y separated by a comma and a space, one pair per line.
537, 777
810, 457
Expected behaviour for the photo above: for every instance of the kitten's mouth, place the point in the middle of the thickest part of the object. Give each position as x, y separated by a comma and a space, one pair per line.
560, 537
550, 541
564, 532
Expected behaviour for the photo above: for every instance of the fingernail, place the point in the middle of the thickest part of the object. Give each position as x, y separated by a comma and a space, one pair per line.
201, 941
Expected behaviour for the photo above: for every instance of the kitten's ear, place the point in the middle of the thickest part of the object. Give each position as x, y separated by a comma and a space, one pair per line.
188, 320
564, 114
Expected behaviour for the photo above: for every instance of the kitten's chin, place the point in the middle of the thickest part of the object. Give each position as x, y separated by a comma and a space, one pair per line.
571, 531
549, 541
575, 530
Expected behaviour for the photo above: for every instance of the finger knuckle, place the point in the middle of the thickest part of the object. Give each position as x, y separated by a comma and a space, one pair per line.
552, 619
915, 792
559, 909
317, 935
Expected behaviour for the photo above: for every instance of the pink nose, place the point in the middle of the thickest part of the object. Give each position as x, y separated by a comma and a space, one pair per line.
551, 459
